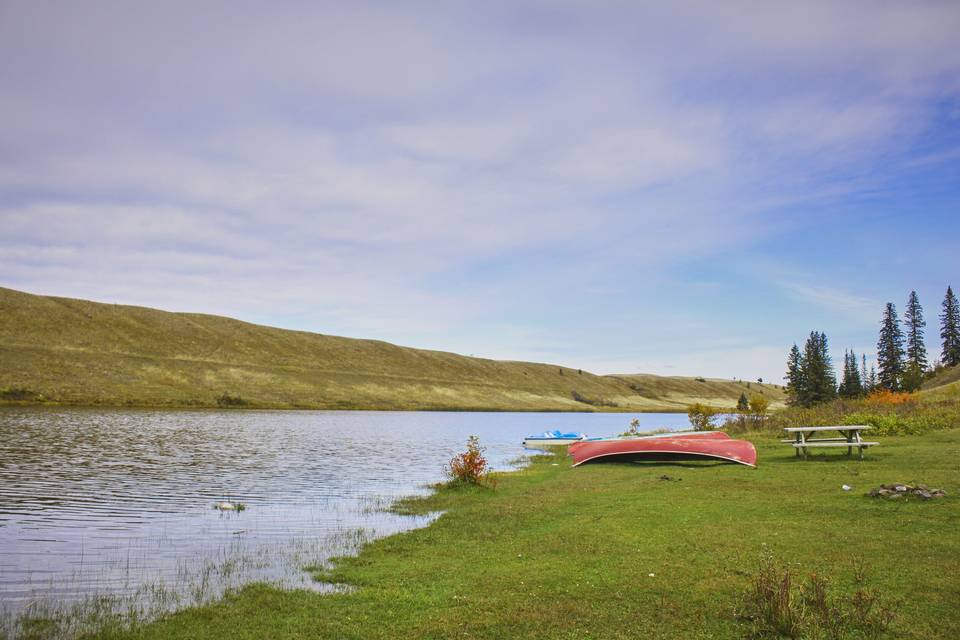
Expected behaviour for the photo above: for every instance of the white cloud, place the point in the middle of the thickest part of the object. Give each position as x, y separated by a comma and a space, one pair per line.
339, 161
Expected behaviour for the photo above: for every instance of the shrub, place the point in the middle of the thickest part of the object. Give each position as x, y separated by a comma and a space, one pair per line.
19, 394
702, 417
887, 398
470, 467
596, 402
226, 400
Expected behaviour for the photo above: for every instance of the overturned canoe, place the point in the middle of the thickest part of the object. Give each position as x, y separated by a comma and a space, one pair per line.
717, 446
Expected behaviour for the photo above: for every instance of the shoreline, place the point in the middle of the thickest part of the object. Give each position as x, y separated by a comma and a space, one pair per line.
210, 407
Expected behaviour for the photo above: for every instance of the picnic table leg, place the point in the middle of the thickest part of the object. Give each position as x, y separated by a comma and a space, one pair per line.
803, 441
848, 435
797, 439
860, 444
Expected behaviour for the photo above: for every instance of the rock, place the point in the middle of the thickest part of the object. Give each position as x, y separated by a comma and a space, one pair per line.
901, 488
893, 496
846, 487
225, 506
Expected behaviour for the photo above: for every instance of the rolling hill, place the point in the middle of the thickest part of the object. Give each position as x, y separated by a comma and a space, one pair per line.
67, 351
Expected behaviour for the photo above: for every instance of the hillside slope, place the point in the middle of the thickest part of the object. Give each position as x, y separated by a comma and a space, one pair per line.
943, 387
79, 352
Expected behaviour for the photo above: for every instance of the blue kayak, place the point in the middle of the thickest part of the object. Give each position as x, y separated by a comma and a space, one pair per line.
552, 438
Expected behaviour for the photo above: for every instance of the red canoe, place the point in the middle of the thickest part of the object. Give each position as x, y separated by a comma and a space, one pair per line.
713, 435
716, 445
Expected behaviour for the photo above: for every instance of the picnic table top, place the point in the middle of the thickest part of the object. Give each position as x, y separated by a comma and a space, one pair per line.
851, 427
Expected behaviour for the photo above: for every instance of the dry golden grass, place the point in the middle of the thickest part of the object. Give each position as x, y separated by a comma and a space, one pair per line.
79, 352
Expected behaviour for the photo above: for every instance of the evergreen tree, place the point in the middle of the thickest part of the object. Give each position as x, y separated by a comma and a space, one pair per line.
864, 378
820, 383
872, 380
890, 350
852, 385
916, 349
950, 330
795, 382
743, 404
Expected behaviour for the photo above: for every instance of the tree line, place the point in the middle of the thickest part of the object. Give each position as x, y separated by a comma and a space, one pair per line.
901, 359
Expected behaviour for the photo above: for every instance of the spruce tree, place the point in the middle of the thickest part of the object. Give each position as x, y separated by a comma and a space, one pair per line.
916, 349
950, 330
743, 404
795, 383
852, 386
864, 378
890, 350
820, 383
843, 390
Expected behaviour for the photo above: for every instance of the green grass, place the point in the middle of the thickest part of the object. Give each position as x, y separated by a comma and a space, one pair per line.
68, 351
561, 552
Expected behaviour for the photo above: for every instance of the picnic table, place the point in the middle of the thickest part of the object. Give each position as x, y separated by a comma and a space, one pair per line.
806, 437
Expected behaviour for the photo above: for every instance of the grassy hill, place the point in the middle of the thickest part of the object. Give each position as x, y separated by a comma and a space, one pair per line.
945, 386
87, 353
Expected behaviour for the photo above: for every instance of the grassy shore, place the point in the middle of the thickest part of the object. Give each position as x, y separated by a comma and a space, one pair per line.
76, 352
616, 551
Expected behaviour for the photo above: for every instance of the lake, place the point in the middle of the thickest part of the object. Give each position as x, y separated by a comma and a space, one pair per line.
120, 503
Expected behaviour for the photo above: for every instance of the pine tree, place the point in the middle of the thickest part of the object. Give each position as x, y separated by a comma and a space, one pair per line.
795, 382
916, 349
890, 350
950, 330
743, 404
872, 380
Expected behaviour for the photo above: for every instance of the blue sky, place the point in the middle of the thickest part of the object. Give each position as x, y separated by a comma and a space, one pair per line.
676, 188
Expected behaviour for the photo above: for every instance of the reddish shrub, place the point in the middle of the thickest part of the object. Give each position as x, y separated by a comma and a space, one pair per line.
885, 397
470, 467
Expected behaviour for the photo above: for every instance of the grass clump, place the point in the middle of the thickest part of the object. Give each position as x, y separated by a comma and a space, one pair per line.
776, 605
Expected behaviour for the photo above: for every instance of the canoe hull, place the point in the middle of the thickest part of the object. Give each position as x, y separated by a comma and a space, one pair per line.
687, 448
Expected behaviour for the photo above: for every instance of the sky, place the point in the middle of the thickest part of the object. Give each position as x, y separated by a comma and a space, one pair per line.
675, 188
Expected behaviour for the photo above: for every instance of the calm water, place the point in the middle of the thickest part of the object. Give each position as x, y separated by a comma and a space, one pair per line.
121, 502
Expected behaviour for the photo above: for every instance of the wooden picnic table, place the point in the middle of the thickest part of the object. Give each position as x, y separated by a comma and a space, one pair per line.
807, 437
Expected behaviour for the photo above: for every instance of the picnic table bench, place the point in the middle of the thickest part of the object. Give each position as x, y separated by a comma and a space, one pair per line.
802, 440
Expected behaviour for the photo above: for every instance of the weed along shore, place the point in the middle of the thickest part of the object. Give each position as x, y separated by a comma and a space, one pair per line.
649, 550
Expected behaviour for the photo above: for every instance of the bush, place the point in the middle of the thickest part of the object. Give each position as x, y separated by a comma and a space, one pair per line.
228, 401
470, 467
702, 417
20, 394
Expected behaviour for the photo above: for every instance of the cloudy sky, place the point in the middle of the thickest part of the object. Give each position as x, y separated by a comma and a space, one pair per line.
677, 188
